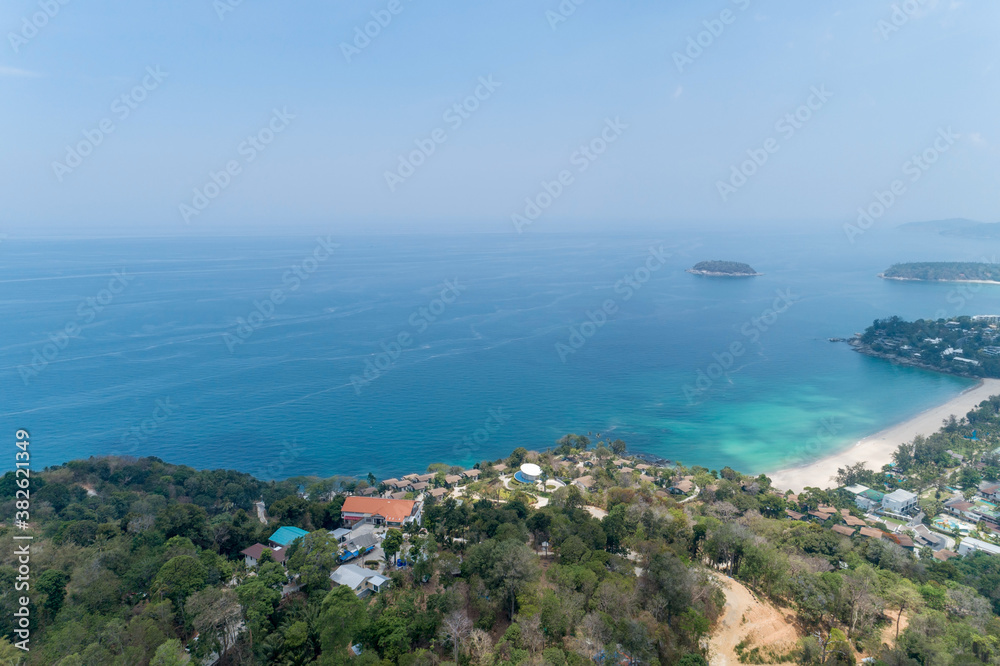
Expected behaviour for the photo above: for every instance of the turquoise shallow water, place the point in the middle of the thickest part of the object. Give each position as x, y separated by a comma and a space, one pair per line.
151, 373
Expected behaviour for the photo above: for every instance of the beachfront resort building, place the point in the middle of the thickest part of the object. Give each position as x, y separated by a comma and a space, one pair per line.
865, 498
970, 545
900, 501
380, 511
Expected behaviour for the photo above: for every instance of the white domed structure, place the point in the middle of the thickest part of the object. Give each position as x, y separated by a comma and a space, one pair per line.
529, 473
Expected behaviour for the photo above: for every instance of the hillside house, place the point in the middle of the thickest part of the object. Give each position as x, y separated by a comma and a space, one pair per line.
253, 554
379, 511
285, 535
363, 581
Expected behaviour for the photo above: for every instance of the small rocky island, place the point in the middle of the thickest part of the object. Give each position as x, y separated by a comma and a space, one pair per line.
944, 271
723, 269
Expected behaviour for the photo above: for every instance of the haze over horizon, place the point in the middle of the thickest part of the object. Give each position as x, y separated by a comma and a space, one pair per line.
671, 120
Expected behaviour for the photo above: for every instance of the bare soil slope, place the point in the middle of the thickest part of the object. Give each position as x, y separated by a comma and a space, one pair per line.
753, 622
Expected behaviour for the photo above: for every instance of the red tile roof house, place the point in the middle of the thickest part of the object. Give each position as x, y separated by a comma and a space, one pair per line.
379, 511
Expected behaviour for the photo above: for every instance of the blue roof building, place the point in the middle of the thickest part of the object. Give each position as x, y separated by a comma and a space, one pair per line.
286, 535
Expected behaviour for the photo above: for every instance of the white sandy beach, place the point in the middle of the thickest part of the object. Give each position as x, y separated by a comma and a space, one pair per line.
877, 449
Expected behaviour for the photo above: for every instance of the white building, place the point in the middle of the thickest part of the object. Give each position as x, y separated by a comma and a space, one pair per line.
530, 472
970, 545
362, 581
899, 501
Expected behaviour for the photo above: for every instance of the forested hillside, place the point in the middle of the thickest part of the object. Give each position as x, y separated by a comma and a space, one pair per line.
137, 562
945, 271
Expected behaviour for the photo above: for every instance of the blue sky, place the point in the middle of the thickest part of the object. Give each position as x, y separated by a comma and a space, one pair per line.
682, 129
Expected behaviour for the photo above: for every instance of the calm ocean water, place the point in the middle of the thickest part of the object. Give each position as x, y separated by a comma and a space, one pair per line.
454, 347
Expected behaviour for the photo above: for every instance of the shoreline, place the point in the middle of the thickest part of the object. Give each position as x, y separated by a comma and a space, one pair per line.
719, 274
908, 279
877, 449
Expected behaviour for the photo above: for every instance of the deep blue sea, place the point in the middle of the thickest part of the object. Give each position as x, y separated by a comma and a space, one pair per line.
469, 343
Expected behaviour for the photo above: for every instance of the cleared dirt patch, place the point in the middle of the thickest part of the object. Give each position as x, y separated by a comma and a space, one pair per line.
752, 623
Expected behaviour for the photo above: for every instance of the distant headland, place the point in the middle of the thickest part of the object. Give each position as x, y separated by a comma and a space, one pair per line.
957, 227
964, 346
944, 271
723, 269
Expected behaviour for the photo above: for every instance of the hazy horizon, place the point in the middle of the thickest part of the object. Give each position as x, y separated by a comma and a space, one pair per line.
312, 119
